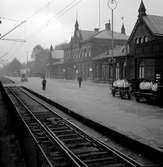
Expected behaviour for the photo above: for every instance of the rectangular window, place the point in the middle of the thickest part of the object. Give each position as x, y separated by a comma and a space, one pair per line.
141, 72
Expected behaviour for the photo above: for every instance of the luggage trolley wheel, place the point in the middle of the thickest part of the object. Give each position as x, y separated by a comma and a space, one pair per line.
121, 95
113, 92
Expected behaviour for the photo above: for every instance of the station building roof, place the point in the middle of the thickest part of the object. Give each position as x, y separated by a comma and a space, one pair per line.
154, 23
119, 51
103, 34
107, 34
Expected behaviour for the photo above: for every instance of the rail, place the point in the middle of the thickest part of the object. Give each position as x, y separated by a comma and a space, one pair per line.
84, 148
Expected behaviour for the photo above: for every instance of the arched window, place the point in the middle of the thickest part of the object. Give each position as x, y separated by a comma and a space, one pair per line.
124, 70
85, 52
145, 39
80, 54
135, 40
141, 70
117, 71
89, 52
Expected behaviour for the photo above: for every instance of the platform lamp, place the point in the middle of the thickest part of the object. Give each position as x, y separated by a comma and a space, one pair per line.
112, 4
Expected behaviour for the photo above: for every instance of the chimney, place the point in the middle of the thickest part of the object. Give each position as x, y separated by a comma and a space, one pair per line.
108, 26
96, 29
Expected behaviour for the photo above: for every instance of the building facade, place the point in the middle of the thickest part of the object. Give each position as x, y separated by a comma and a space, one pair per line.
82, 52
55, 65
146, 46
138, 57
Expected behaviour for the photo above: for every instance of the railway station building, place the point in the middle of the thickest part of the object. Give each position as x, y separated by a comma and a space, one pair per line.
88, 54
55, 65
138, 56
146, 47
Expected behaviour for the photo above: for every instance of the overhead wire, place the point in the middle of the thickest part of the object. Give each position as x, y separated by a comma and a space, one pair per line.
14, 40
13, 29
40, 9
22, 22
65, 8
10, 19
59, 14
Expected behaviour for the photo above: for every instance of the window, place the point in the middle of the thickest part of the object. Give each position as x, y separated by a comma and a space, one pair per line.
85, 52
145, 39
141, 70
89, 53
124, 70
137, 40
117, 71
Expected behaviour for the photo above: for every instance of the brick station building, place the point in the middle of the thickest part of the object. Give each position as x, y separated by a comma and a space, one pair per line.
146, 47
138, 56
82, 54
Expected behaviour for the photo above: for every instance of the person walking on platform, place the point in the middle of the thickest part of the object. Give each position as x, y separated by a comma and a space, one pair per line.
80, 80
44, 84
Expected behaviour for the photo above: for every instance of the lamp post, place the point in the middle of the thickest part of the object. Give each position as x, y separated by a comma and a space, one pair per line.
112, 4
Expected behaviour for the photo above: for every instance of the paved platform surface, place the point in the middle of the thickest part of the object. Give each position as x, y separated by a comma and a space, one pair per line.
142, 122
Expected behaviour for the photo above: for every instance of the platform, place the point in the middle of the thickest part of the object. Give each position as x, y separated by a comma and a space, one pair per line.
139, 121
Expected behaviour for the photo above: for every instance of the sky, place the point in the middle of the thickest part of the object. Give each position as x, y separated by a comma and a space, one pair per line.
49, 22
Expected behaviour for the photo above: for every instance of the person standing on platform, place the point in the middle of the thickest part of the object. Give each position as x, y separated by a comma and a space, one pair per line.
80, 80
44, 84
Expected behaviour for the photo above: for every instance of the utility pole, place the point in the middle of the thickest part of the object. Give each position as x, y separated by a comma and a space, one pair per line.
112, 4
99, 15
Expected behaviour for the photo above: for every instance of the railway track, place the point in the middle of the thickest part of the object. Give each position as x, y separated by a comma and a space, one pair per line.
60, 142
5, 80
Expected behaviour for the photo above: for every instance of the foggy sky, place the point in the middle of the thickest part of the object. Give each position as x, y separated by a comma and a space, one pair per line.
37, 29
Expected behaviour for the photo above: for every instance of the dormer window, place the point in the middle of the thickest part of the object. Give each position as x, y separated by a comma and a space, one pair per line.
145, 39
137, 40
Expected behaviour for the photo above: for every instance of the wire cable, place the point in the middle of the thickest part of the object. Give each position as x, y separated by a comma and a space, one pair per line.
22, 22
59, 13
40, 9
14, 40
13, 29
6, 18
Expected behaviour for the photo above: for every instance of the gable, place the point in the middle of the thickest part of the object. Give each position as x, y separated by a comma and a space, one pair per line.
140, 32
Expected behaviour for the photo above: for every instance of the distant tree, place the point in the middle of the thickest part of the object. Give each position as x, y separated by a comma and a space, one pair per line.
40, 57
13, 67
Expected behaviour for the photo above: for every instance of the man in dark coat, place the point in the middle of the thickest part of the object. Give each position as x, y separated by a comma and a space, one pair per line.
80, 80
43, 84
